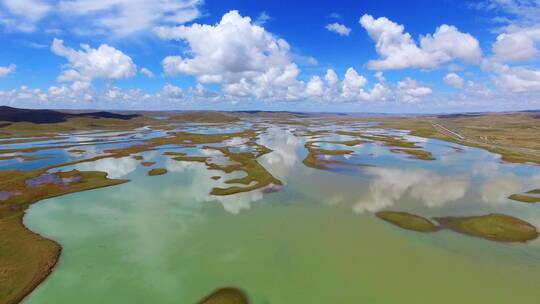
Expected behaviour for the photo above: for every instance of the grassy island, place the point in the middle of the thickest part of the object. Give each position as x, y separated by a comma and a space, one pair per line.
395, 143
315, 158
495, 227
157, 171
414, 153
256, 175
226, 296
525, 198
407, 221
349, 143
76, 151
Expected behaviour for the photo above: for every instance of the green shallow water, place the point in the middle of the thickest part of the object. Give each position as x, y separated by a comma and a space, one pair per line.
165, 240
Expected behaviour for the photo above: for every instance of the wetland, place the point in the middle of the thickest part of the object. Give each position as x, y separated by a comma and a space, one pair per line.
208, 207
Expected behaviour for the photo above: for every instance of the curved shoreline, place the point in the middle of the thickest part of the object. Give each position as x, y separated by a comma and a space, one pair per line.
46, 272
26, 269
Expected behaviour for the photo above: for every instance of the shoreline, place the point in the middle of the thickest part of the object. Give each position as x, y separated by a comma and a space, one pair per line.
41, 261
26, 269
46, 272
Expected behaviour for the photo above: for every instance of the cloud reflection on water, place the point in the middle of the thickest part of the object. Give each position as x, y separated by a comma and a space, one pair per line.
279, 162
390, 185
488, 182
498, 184
284, 156
202, 184
115, 167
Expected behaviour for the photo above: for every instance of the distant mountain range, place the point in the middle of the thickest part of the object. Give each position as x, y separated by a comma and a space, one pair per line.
9, 114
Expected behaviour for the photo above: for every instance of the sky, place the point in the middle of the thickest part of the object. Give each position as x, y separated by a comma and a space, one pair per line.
333, 56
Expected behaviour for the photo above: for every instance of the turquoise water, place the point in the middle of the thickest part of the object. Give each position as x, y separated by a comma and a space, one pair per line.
164, 239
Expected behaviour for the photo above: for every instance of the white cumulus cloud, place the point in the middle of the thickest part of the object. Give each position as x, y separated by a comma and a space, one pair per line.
454, 80
351, 89
513, 79
398, 50
91, 17
22, 15
519, 45
352, 83
170, 91
315, 87
242, 56
409, 90
6, 70
339, 29
124, 17
146, 72
87, 64
519, 79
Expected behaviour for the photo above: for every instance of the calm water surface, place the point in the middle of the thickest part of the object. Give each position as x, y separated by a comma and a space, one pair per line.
164, 239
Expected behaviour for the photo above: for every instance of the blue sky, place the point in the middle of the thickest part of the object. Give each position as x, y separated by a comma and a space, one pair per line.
360, 56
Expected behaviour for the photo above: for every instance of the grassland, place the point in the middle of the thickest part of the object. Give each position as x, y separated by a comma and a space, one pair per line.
515, 136
204, 117
23, 269
26, 131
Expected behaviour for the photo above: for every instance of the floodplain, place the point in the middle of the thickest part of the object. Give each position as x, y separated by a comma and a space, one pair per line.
212, 207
